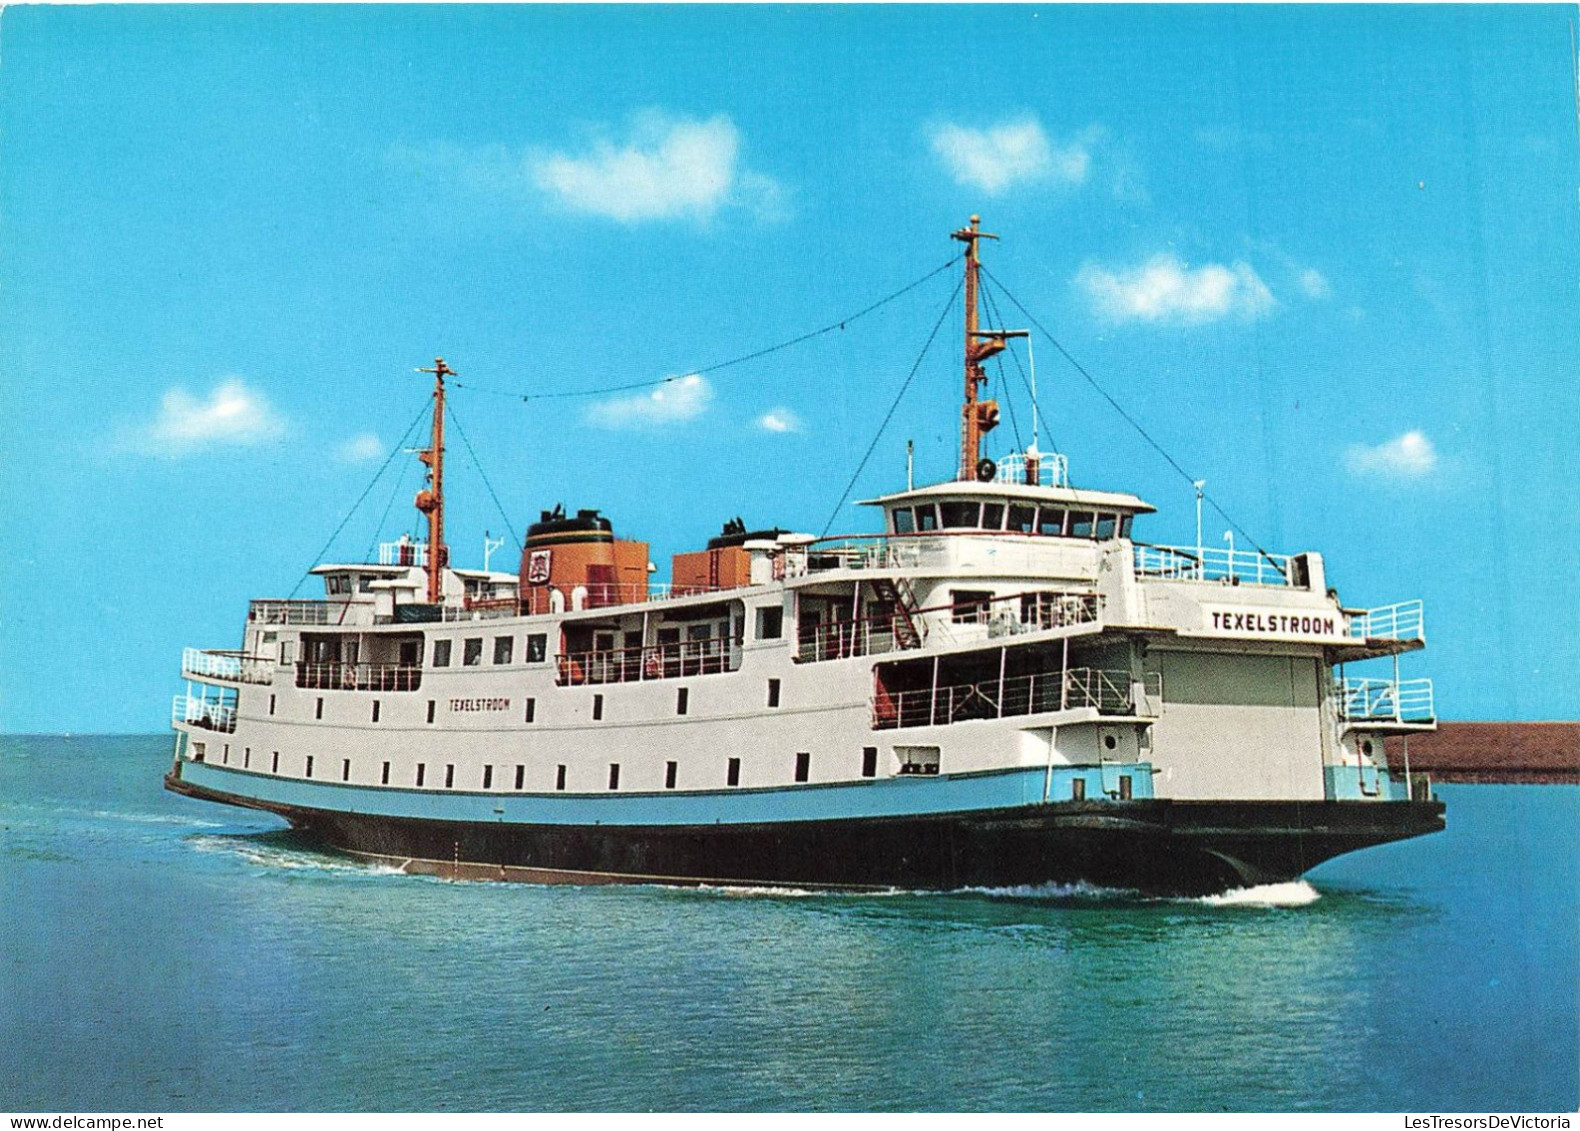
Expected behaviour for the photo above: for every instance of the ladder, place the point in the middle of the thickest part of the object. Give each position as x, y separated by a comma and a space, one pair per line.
896, 593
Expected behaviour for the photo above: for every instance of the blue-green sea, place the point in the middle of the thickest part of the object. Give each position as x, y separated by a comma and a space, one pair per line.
164, 954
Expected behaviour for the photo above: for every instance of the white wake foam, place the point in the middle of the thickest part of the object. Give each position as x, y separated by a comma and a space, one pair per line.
1295, 893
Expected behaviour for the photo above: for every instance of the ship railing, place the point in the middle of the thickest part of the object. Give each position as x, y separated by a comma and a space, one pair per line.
403, 553
876, 551
298, 612
840, 640
233, 667
1387, 700
334, 675
1053, 470
481, 608
206, 713
1226, 566
1405, 620
647, 662
537, 600
1109, 691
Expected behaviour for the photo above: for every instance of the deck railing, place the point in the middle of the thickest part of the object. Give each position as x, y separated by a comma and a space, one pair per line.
1107, 690
296, 612
332, 675
1224, 566
206, 713
233, 667
1403, 621
840, 640
1385, 700
652, 661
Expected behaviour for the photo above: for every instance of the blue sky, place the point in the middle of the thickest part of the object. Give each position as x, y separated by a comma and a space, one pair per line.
1329, 257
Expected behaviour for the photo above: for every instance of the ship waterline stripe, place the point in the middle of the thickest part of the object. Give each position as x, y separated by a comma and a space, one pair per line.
906, 796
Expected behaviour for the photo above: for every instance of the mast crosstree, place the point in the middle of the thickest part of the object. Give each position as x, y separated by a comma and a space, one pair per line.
978, 417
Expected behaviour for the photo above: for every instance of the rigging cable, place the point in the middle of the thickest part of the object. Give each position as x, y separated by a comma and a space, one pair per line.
319, 557
483, 475
1145, 435
840, 324
999, 362
845, 494
1024, 380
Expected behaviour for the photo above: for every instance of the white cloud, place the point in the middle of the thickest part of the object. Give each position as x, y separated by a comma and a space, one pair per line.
233, 414
360, 448
667, 169
1164, 290
779, 420
1314, 284
997, 157
676, 401
1409, 456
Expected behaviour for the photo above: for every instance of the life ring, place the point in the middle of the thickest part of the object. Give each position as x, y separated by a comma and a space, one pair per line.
986, 470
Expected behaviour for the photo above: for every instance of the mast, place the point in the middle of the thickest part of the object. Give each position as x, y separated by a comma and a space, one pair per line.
430, 500
977, 417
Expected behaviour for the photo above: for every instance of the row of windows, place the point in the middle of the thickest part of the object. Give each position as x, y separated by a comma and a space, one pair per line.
530, 712
504, 650
732, 769
1016, 517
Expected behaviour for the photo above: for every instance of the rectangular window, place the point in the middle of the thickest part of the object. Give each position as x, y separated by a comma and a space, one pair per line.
770, 622
559, 777
441, 653
472, 651
614, 775
904, 520
992, 516
488, 777
384, 774
1078, 789
504, 646
1050, 521
1105, 527
773, 693
1124, 525
287, 651
345, 769
1125, 787
1022, 520
682, 700
961, 516
375, 710
537, 647
431, 705
271, 704
225, 759
732, 775
869, 761
521, 777
274, 766
803, 765
927, 517
670, 769
197, 751
597, 707
246, 757
969, 606
449, 776
422, 771
309, 765
365, 583
1080, 524
318, 711
532, 709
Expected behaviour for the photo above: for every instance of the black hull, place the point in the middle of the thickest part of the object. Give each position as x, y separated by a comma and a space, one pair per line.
1154, 846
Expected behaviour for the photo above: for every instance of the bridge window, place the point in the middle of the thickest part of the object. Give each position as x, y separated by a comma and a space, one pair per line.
1050, 521
441, 653
1106, 524
1022, 519
1081, 524
904, 520
992, 516
1124, 525
961, 516
927, 517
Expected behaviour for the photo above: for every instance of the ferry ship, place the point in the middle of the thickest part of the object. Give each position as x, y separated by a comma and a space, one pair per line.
1002, 687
